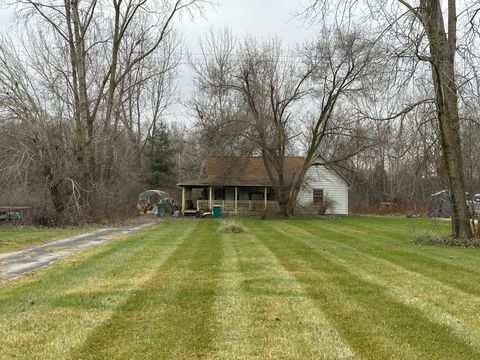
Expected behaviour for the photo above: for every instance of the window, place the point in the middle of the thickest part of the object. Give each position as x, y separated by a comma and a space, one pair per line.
318, 196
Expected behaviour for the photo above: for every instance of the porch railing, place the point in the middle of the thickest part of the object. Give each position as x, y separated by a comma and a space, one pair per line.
229, 205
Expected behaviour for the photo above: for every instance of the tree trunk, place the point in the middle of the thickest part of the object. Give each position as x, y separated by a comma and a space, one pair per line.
80, 152
275, 169
86, 121
55, 194
286, 204
442, 59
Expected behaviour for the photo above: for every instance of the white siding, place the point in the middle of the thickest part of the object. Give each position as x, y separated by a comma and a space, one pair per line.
335, 189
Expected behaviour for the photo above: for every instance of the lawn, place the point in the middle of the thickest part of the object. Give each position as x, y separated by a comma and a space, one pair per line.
13, 238
345, 288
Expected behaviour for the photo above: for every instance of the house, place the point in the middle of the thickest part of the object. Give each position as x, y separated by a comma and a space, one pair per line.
241, 183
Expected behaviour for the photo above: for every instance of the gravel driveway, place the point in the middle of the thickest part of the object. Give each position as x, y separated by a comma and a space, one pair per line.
18, 263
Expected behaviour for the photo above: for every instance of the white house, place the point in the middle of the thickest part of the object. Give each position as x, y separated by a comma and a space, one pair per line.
241, 183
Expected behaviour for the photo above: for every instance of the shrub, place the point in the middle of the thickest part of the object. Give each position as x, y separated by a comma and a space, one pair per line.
231, 227
315, 209
272, 211
49, 218
436, 239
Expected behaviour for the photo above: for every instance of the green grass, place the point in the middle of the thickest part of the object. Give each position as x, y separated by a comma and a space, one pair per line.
13, 238
299, 289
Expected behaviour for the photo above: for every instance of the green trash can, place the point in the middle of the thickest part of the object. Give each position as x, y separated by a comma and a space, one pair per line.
161, 209
217, 211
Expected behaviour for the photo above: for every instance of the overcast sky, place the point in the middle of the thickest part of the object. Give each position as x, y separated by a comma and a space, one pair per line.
260, 18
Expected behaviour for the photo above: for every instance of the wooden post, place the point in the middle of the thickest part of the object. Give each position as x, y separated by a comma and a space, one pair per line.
236, 197
210, 198
265, 198
183, 200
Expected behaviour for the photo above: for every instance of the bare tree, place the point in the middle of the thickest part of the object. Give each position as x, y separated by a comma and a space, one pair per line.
115, 85
425, 31
219, 112
35, 138
269, 85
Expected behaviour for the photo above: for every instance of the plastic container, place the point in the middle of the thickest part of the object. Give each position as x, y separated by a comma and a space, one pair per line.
217, 211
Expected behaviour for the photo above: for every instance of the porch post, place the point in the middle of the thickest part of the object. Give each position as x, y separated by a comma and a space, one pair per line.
183, 200
265, 198
236, 197
210, 198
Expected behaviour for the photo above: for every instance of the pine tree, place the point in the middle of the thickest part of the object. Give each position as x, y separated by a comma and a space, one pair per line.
161, 158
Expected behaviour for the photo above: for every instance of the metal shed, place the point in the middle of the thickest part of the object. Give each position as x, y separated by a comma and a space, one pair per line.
440, 205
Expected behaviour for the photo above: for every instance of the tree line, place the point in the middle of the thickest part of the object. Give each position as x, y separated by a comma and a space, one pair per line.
387, 92
83, 94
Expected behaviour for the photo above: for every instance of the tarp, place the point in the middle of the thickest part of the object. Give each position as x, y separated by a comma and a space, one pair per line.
149, 199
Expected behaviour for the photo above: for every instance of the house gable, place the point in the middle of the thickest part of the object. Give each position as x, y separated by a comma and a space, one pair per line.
320, 161
334, 188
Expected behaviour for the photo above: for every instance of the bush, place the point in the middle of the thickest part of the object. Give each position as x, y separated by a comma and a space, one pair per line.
436, 239
315, 209
49, 218
231, 227
272, 211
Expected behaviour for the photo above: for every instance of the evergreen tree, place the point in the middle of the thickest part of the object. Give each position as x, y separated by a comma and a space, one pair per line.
161, 158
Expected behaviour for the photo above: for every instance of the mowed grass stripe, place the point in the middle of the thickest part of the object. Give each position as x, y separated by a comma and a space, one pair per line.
170, 316
44, 315
401, 231
232, 336
284, 321
411, 257
335, 292
400, 265
408, 256
376, 325
441, 303
372, 233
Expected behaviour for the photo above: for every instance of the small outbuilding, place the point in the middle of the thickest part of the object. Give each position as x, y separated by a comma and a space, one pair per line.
440, 205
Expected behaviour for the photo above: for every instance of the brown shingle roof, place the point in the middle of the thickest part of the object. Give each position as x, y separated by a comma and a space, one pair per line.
240, 171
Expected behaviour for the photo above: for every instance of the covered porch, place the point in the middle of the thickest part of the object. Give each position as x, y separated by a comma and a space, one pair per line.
202, 198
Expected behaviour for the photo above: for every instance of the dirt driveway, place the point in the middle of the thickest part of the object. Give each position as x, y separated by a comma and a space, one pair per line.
18, 263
